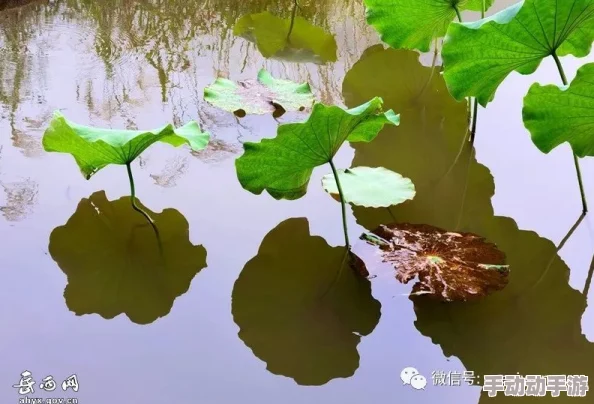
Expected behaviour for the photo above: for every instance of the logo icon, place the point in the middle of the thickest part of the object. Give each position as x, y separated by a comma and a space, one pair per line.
418, 382
412, 377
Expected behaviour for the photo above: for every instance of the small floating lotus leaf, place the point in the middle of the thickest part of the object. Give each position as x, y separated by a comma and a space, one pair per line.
372, 187
266, 95
556, 115
479, 56
283, 165
301, 308
413, 24
304, 43
450, 266
115, 264
95, 148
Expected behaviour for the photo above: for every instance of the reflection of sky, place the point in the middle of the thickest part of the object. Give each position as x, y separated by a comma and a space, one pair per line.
98, 69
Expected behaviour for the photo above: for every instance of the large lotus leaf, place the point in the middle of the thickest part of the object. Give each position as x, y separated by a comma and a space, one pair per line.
116, 264
479, 56
450, 266
95, 148
372, 187
523, 328
556, 115
301, 308
266, 95
413, 24
283, 39
283, 165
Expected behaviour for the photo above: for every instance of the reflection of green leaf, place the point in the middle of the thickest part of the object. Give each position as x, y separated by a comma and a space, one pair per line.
283, 165
301, 308
266, 95
479, 56
450, 266
306, 43
95, 148
555, 116
523, 328
413, 24
115, 265
371, 187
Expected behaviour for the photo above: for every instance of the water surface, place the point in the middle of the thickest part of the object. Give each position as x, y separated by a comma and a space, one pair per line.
251, 311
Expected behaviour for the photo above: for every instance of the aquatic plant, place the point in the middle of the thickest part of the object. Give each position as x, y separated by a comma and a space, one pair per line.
95, 148
283, 165
450, 266
414, 24
479, 56
262, 96
555, 115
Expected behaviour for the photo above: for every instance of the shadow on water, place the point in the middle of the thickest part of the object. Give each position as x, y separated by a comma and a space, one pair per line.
115, 263
533, 326
301, 309
291, 39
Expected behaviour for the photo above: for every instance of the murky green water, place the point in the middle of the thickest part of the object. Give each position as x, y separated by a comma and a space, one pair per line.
246, 307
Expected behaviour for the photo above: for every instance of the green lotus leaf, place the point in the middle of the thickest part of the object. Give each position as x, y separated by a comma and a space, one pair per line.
266, 95
116, 264
292, 39
283, 165
478, 56
372, 187
301, 308
556, 115
454, 192
413, 24
95, 148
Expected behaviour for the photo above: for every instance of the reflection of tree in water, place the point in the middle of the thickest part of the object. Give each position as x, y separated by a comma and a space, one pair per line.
172, 42
173, 170
21, 197
218, 150
533, 326
19, 81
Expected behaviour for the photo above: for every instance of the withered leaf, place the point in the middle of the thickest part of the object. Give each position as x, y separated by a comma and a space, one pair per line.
450, 266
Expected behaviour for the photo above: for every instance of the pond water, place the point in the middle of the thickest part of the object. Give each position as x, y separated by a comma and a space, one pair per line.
239, 313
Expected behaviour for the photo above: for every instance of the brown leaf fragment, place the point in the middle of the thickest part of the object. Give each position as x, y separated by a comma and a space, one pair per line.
450, 266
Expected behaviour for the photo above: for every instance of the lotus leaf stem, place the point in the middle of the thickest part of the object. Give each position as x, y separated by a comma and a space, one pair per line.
458, 13
133, 196
589, 278
474, 121
293, 13
343, 205
575, 158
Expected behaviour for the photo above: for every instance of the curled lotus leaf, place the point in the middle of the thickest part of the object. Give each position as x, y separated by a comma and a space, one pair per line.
95, 148
116, 264
262, 96
283, 165
373, 187
478, 56
450, 266
555, 115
